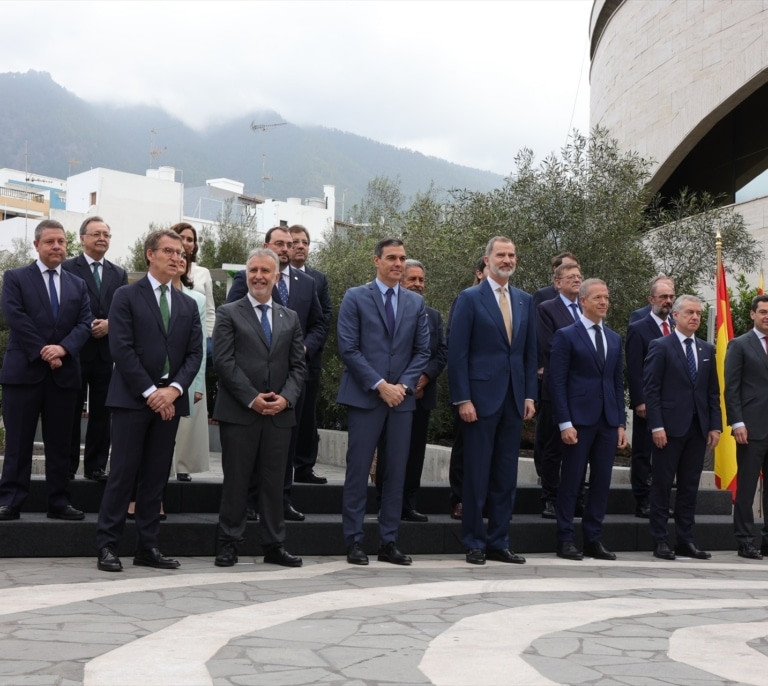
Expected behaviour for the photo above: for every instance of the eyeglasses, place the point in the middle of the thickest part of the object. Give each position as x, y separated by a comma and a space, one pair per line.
99, 234
171, 252
571, 277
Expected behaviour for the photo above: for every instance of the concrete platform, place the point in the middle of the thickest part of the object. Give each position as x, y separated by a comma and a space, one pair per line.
633, 622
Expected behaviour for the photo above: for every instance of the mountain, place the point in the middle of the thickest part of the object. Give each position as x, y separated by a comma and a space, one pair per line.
65, 135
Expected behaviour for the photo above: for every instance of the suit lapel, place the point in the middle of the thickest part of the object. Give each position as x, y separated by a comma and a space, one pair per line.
587, 340
86, 274
248, 313
378, 302
756, 346
488, 298
40, 284
677, 346
151, 301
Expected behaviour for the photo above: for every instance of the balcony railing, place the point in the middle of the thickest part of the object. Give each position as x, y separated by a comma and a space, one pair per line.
22, 195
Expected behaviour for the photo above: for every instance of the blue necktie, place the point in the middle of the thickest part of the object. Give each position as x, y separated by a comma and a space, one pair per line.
576, 311
96, 276
282, 289
599, 345
390, 311
53, 294
265, 323
691, 359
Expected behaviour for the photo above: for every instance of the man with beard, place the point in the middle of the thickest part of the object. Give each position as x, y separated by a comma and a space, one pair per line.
493, 375
655, 324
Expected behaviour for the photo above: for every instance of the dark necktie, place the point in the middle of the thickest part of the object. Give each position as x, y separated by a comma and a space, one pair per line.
599, 345
665, 328
54, 295
575, 309
165, 314
96, 276
390, 311
282, 289
691, 359
265, 323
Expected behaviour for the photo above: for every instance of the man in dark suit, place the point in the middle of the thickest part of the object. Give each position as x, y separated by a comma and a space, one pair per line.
655, 324
102, 278
426, 401
549, 292
156, 341
49, 319
298, 292
746, 404
551, 315
258, 352
492, 374
308, 439
587, 389
682, 402
643, 312
383, 337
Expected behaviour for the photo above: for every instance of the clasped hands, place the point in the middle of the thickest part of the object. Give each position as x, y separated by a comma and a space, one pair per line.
52, 354
269, 403
161, 401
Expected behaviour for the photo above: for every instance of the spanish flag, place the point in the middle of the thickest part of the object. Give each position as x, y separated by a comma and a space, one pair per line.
725, 452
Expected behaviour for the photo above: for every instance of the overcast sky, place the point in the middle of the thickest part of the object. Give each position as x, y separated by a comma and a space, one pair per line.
471, 82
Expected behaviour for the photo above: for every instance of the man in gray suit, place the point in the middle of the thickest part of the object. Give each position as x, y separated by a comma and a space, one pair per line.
746, 404
383, 337
258, 353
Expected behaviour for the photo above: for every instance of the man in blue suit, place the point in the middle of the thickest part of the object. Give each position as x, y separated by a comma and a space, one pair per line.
156, 341
682, 401
655, 324
296, 291
551, 315
586, 383
102, 278
492, 376
49, 317
426, 401
383, 339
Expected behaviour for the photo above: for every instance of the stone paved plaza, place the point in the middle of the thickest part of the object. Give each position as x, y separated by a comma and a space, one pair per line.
637, 621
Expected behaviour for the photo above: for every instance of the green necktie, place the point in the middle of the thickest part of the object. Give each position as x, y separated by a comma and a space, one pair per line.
96, 276
166, 316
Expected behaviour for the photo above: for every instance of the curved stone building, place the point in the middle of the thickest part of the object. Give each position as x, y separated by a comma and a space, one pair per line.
685, 84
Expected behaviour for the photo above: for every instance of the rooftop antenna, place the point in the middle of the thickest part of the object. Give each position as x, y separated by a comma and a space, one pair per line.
154, 151
263, 128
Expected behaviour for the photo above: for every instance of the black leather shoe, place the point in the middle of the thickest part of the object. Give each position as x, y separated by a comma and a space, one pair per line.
227, 556
356, 555
413, 516
549, 510
8, 513
183, 476
663, 551
643, 510
280, 556
690, 550
69, 513
97, 475
750, 552
504, 555
154, 558
308, 478
456, 511
475, 556
108, 561
598, 551
568, 551
252, 515
290, 514
764, 550
390, 553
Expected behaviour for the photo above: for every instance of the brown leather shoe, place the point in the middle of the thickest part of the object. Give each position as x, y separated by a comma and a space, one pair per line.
457, 511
